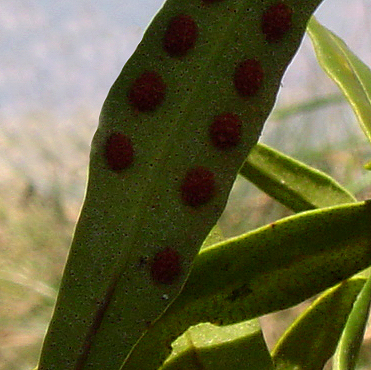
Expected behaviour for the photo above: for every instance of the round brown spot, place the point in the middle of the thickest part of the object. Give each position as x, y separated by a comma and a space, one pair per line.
181, 35
119, 152
248, 77
198, 186
166, 266
147, 91
276, 21
225, 131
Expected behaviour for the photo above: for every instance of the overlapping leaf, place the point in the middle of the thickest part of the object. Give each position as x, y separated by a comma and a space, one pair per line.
269, 269
291, 182
320, 326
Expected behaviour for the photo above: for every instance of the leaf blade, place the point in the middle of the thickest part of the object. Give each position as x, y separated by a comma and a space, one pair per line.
210, 347
130, 216
263, 271
291, 182
352, 76
321, 325
351, 339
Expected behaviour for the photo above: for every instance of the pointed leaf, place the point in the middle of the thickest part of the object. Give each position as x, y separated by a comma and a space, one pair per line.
291, 182
311, 340
351, 339
351, 75
215, 236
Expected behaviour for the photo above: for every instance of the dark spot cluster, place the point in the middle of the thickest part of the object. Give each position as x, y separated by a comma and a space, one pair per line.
147, 93
148, 90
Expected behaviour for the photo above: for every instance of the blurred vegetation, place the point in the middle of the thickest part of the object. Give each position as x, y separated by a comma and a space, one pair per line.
34, 238
41, 189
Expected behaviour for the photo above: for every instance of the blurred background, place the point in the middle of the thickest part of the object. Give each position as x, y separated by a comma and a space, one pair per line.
57, 63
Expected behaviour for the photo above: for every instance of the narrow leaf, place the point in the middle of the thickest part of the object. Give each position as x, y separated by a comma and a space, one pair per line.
310, 342
352, 76
351, 339
291, 182
266, 270
208, 347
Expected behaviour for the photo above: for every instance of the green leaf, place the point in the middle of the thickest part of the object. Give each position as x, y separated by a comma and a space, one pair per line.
311, 340
208, 347
160, 172
351, 339
352, 76
265, 270
293, 183
215, 236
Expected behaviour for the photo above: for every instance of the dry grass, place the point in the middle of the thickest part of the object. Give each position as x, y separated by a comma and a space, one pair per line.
34, 240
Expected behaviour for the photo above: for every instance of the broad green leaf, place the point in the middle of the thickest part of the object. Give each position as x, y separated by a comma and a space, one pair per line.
311, 340
351, 339
351, 75
208, 347
293, 183
173, 132
265, 270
